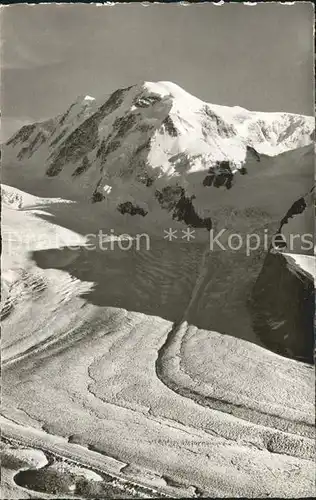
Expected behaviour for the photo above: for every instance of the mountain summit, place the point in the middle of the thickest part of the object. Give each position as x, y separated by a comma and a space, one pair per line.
157, 124
153, 145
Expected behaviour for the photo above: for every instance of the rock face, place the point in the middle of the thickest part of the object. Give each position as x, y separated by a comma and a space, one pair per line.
283, 298
283, 307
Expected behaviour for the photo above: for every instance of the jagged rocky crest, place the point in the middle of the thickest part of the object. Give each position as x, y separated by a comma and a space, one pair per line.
163, 121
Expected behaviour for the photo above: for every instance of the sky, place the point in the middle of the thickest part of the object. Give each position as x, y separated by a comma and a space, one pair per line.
258, 57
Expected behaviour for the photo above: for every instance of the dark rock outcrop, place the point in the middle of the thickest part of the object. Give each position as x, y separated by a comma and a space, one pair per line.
128, 208
169, 126
297, 208
174, 199
222, 128
283, 306
97, 196
38, 140
219, 175
83, 167
253, 153
22, 135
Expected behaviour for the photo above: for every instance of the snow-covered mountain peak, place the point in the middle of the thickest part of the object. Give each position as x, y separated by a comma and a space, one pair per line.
152, 131
89, 98
165, 88
80, 108
83, 100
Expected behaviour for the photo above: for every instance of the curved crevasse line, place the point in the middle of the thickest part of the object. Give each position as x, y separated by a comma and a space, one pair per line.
295, 430
285, 442
292, 431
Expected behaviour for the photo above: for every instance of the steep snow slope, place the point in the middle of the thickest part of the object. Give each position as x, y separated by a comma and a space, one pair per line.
27, 292
15, 198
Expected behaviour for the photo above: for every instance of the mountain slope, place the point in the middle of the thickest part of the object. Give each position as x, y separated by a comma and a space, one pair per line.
256, 197
151, 131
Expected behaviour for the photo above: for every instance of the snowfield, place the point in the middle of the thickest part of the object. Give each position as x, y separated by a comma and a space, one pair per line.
304, 262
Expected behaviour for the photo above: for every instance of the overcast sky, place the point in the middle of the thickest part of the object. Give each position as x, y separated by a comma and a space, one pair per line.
259, 57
